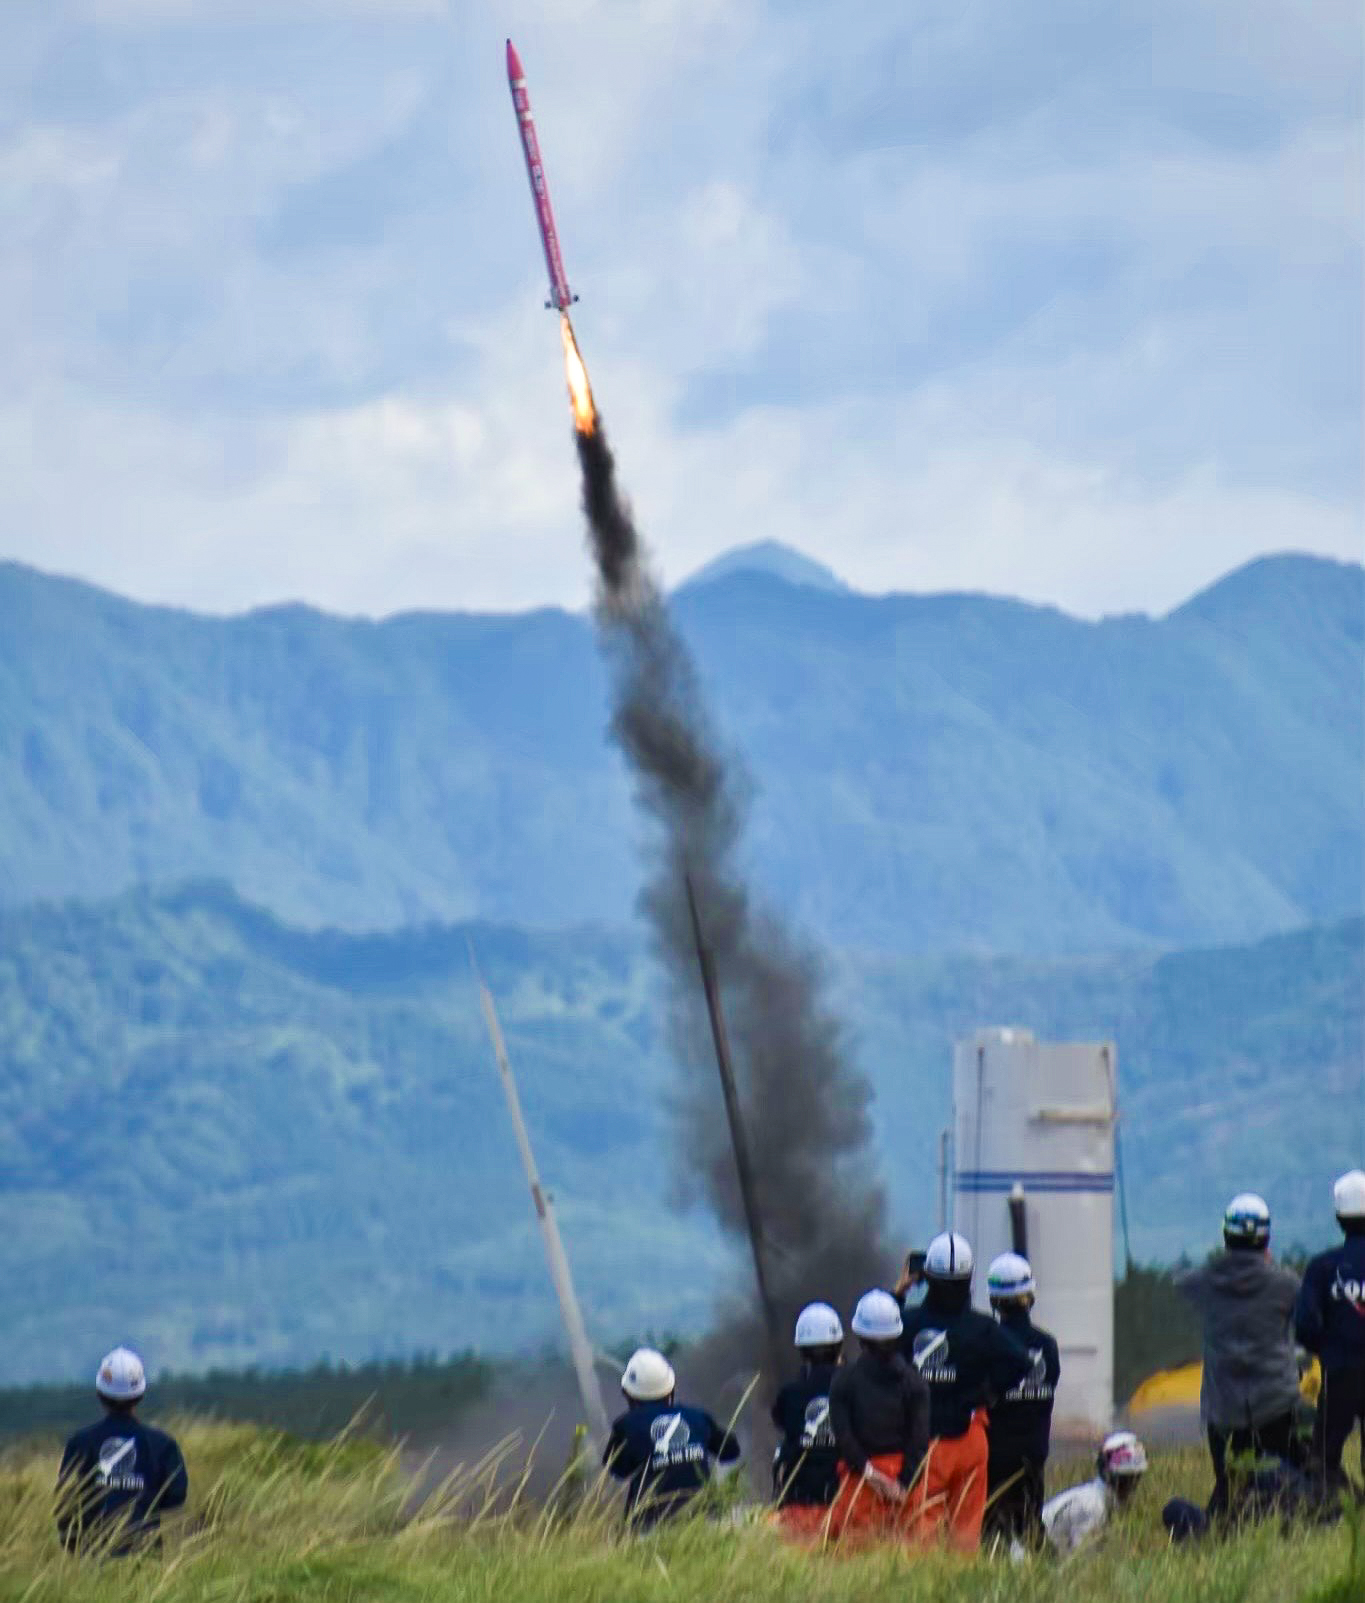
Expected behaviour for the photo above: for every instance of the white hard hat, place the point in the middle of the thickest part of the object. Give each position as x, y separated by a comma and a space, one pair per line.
1010, 1275
818, 1325
121, 1377
1246, 1220
649, 1377
949, 1258
1123, 1454
1349, 1195
877, 1316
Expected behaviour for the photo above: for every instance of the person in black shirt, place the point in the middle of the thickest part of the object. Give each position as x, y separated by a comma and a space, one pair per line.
1020, 1432
118, 1476
879, 1409
662, 1450
968, 1361
1329, 1320
806, 1468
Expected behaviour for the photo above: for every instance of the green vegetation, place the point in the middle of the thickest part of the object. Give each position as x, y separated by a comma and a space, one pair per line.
275, 1521
233, 1143
422, 1399
931, 773
383, 1401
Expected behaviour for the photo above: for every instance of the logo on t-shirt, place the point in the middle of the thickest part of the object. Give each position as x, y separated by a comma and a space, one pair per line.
117, 1467
1350, 1291
817, 1430
672, 1439
933, 1357
1033, 1388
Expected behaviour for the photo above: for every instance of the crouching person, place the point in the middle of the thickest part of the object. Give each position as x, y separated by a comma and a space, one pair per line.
1073, 1517
879, 1410
118, 1476
663, 1451
806, 1470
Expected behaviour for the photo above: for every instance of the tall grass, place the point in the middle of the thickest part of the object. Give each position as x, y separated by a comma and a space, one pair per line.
273, 1520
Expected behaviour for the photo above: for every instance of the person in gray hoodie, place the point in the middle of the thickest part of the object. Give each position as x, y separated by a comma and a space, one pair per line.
1249, 1396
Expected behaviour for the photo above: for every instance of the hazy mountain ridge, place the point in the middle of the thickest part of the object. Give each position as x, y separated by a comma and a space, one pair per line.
926, 772
236, 1141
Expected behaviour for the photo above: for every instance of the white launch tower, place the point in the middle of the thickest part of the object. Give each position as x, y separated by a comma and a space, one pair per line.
1033, 1172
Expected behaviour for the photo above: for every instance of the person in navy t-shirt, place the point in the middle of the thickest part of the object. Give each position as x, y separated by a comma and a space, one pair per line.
118, 1476
1329, 1320
660, 1448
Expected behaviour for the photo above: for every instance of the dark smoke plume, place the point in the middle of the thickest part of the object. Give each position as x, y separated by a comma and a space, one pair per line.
805, 1105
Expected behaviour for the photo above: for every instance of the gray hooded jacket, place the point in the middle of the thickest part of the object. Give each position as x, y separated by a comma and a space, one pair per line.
1250, 1372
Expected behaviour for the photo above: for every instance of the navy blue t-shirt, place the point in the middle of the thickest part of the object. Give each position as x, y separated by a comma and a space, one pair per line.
967, 1359
1329, 1319
1021, 1417
807, 1459
663, 1452
119, 1471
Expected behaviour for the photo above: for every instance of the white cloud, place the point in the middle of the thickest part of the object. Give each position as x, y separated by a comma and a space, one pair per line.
944, 303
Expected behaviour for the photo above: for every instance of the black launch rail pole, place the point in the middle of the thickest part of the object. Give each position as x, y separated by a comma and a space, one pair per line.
738, 1139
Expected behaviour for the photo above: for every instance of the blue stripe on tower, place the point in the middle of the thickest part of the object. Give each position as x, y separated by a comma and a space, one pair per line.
1055, 1180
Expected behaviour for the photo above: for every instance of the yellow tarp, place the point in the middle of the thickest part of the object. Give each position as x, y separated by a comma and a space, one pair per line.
1179, 1388
1168, 1388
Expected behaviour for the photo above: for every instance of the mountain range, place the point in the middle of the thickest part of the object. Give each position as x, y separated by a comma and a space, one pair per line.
925, 773
247, 1113
238, 1142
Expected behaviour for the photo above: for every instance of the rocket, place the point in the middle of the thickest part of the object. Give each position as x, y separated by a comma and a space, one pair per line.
561, 297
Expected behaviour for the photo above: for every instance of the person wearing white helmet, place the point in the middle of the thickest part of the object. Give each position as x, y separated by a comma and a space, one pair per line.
661, 1449
1074, 1516
1329, 1321
879, 1411
806, 1469
968, 1361
1249, 1395
1021, 1420
118, 1476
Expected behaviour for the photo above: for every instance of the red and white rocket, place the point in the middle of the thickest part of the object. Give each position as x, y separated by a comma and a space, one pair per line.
561, 297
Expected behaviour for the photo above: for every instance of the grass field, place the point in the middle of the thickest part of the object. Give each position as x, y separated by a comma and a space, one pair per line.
272, 1520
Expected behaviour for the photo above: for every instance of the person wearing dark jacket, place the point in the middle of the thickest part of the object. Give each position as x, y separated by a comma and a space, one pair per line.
879, 1412
1329, 1320
968, 1361
663, 1451
1020, 1434
1249, 1395
806, 1468
118, 1476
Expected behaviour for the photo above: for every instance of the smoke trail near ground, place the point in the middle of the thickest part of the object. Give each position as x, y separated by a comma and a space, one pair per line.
805, 1105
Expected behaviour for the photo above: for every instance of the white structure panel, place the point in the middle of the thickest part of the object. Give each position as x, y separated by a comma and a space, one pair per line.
1038, 1117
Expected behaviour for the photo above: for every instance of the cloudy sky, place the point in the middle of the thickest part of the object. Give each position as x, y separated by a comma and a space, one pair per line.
1053, 298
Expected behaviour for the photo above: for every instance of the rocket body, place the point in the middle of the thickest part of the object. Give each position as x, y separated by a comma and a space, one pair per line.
561, 297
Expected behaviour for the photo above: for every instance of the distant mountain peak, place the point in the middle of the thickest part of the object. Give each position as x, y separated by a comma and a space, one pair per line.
769, 557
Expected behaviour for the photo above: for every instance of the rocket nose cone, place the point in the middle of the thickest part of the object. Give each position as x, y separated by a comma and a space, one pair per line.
513, 62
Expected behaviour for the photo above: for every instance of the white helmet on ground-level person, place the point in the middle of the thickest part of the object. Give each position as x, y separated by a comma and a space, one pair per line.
121, 1377
1122, 1462
649, 1377
1349, 1195
1010, 1278
878, 1317
1246, 1222
949, 1258
818, 1325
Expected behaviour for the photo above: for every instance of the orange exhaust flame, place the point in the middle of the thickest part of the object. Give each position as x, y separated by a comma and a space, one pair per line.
580, 391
